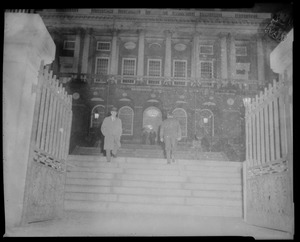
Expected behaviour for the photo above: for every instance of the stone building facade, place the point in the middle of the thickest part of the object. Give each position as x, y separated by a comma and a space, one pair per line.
197, 64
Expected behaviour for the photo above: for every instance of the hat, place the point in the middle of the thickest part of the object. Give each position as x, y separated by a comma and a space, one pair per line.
114, 109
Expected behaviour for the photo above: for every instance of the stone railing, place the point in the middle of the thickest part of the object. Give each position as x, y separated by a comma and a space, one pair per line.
233, 84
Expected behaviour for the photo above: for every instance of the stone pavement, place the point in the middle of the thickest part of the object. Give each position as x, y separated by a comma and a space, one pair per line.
108, 224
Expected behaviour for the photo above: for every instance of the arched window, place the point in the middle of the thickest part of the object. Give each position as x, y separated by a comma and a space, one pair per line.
97, 116
205, 119
126, 115
181, 115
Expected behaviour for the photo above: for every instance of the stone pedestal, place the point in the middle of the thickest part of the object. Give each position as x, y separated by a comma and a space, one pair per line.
26, 43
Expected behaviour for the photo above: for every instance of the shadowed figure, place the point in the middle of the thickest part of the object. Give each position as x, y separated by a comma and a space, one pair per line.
112, 130
170, 134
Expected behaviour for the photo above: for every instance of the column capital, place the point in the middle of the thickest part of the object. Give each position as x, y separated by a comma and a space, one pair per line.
168, 33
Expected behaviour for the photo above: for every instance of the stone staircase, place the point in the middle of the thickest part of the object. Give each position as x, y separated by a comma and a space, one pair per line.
154, 151
149, 185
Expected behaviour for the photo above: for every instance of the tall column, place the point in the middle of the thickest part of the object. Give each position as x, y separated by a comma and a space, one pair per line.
195, 54
114, 55
224, 66
140, 65
260, 60
168, 54
232, 57
85, 53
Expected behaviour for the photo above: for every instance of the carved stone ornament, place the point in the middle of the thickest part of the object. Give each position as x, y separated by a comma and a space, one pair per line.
180, 47
129, 45
49, 161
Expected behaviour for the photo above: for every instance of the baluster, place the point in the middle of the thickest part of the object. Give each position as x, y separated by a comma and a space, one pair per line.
41, 111
267, 132
250, 134
70, 116
276, 121
271, 120
56, 120
46, 112
282, 112
62, 123
48, 131
53, 117
254, 132
262, 130
257, 114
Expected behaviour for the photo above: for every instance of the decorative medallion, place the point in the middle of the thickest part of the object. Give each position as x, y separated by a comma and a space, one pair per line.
124, 94
211, 98
95, 93
181, 96
153, 95
76, 95
180, 47
129, 45
230, 101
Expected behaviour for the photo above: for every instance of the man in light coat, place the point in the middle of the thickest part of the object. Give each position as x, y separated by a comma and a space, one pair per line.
170, 134
111, 128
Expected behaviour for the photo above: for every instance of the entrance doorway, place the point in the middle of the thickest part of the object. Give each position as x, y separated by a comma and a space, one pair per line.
152, 119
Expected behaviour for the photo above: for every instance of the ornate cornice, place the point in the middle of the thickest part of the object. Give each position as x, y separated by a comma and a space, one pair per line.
156, 19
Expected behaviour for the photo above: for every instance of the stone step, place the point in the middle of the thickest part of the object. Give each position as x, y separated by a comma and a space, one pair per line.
185, 189
182, 176
123, 168
129, 207
152, 199
98, 159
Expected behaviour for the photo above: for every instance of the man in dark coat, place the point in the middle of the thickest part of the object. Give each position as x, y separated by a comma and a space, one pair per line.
170, 134
112, 130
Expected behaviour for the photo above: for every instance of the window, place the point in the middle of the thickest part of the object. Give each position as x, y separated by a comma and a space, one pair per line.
102, 64
69, 45
206, 69
154, 67
128, 70
179, 68
103, 46
97, 116
240, 50
181, 116
126, 115
128, 67
206, 49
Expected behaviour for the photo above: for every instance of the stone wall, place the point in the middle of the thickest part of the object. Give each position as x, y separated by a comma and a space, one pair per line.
26, 43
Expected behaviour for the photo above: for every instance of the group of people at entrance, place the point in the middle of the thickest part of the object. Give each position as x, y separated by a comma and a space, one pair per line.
111, 128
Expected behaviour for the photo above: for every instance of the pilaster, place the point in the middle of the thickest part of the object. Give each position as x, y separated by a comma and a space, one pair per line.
114, 54
168, 59
195, 54
140, 64
232, 57
85, 53
260, 60
224, 63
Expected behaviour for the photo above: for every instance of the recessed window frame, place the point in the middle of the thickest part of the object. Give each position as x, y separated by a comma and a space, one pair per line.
212, 69
65, 43
244, 48
210, 53
183, 61
103, 42
148, 67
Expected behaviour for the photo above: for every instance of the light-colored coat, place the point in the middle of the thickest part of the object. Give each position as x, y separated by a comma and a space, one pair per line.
112, 131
